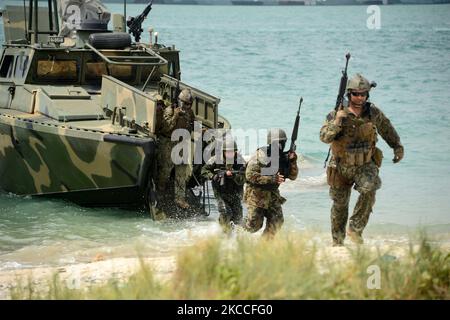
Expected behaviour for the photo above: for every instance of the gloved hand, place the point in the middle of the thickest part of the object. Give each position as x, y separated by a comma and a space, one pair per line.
341, 114
293, 156
177, 112
216, 178
398, 154
279, 179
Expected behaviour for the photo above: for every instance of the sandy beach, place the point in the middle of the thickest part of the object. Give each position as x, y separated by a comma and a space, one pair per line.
101, 270
84, 275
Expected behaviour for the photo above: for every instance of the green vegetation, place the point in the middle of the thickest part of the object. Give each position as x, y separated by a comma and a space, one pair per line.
289, 267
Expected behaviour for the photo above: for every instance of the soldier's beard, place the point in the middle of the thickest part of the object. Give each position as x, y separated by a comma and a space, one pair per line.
357, 105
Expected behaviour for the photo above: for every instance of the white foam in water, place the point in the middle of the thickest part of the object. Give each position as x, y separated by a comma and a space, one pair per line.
11, 265
304, 183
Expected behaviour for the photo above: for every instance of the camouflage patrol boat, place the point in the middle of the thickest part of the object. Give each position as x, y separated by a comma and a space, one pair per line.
78, 104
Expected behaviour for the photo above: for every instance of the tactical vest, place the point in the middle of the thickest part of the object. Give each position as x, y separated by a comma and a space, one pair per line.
269, 186
355, 145
185, 121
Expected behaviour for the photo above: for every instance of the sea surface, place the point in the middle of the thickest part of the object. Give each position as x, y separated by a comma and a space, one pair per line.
259, 61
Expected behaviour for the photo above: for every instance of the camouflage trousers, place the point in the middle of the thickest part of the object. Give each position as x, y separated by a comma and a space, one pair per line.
274, 219
366, 181
230, 210
165, 166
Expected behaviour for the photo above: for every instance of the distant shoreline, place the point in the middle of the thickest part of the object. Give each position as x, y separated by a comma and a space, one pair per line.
282, 3
319, 3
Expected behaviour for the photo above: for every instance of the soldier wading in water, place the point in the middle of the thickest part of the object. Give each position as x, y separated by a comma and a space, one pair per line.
227, 172
176, 117
261, 195
352, 133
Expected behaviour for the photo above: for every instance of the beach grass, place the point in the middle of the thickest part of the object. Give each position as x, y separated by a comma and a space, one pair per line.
291, 266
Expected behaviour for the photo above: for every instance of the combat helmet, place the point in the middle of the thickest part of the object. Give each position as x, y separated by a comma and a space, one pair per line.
358, 82
276, 135
185, 97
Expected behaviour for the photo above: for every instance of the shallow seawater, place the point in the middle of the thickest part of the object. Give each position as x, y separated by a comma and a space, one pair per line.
259, 61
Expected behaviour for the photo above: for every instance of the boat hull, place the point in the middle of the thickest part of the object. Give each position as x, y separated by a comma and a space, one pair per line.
90, 166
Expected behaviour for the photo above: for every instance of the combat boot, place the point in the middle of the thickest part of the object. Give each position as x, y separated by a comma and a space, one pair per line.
355, 236
159, 215
182, 204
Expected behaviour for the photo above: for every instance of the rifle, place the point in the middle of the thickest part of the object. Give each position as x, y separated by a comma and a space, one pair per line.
294, 136
222, 173
285, 164
176, 92
342, 85
340, 98
134, 24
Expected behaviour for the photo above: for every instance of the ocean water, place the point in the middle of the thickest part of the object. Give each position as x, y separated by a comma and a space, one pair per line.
259, 61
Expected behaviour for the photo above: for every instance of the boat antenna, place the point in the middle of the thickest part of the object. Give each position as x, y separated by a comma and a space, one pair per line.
125, 9
25, 18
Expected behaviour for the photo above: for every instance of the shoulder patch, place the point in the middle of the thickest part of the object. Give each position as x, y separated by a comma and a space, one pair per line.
330, 116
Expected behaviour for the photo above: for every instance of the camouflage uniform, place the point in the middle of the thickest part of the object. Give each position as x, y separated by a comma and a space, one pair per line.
228, 195
355, 161
160, 107
184, 120
262, 196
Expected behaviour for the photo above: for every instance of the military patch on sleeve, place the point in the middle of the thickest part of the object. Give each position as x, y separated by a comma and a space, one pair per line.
330, 116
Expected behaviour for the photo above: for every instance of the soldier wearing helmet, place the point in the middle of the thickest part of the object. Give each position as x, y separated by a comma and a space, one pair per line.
176, 117
160, 108
352, 132
261, 194
227, 172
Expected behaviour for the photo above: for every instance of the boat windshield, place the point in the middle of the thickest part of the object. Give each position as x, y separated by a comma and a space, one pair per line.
95, 70
55, 69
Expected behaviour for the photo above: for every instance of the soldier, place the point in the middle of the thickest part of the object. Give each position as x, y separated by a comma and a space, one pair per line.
160, 108
179, 116
352, 132
227, 172
261, 195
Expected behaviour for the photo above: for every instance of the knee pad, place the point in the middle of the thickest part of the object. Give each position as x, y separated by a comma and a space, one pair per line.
369, 186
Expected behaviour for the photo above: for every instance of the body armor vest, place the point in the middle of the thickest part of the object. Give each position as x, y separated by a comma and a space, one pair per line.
355, 145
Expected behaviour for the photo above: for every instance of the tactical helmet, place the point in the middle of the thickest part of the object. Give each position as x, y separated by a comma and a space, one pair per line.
276, 135
185, 96
358, 82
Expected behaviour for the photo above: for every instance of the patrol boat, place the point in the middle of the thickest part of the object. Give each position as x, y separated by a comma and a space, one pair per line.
78, 105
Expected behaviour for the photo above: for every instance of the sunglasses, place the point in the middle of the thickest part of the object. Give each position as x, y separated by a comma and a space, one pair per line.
359, 94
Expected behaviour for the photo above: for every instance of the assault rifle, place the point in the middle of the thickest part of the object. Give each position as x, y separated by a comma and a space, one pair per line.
176, 92
285, 164
220, 174
134, 24
342, 85
294, 136
340, 97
